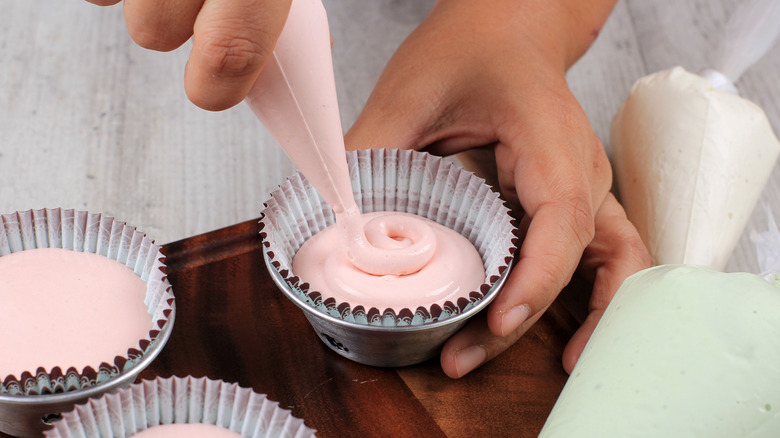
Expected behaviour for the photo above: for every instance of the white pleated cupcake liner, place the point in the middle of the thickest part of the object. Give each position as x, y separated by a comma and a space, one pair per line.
177, 400
402, 181
82, 231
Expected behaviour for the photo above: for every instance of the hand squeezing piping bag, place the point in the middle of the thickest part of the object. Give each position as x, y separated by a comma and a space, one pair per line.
691, 156
295, 99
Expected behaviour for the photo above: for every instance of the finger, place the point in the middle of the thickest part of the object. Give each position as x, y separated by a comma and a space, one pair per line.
616, 252
475, 344
162, 26
232, 41
561, 226
559, 173
104, 2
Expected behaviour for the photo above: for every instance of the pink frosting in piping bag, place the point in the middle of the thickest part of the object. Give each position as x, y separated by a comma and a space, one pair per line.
295, 99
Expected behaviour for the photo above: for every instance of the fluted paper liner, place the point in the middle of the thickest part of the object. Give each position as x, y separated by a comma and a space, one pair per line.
402, 181
93, 233
173, 400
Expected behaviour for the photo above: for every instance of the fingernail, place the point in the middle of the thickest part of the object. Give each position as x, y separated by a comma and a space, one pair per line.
469, 358
512, 319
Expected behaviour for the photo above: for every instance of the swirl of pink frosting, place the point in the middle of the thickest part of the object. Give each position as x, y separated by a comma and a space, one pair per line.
451, 266
393, 244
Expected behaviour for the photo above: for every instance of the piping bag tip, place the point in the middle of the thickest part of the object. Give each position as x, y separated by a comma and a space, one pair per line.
719, 81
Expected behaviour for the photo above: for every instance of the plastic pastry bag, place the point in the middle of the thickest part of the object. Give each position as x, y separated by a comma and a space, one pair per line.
691, 156
682, 350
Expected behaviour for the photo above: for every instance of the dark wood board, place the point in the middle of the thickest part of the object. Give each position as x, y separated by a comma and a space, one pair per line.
232, 323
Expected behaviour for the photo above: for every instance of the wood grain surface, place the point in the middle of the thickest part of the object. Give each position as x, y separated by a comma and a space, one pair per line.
232, 323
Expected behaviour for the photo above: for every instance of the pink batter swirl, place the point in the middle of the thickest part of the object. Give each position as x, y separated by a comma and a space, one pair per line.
451, 266
390, 244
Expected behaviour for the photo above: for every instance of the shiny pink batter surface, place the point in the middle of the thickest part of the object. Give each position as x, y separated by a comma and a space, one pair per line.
68, 309
295, 98
187, 430
454, 269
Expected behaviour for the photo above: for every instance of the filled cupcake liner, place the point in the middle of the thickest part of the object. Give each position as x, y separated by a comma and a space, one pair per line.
82, 231
173, 400
402, 181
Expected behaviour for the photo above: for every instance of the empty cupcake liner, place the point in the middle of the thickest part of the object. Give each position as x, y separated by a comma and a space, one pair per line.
174, 400
393, 180
93, 233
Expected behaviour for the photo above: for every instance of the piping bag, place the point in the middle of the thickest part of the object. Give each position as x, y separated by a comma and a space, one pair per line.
691, 156
295, 98
683, 349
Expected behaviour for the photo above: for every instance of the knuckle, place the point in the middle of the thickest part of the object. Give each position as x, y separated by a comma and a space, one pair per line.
550, 275
628, 244
638, 251
601, 164
579, 220
231, 55
554, 277
601, 167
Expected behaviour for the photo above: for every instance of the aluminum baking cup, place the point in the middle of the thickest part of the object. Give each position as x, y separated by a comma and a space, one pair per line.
176, 400
29, 401
402, 181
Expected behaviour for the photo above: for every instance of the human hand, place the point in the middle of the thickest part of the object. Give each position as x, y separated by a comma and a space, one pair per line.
231, 41
471, 76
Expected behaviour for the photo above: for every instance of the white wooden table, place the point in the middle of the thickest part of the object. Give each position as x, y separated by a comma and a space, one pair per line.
89, 120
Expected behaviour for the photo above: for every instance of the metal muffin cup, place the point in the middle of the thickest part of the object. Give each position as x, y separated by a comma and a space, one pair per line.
180, 400
30, 402
31, 415
383, 346
391, 180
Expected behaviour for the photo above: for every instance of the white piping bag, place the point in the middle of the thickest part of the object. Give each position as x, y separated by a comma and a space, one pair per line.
750, 33
691, 156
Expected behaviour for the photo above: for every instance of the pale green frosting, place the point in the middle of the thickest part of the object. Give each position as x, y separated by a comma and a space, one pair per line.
682, 351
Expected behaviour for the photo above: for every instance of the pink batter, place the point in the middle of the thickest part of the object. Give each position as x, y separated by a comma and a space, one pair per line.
195, 430
67, 309
295, 98
454, 269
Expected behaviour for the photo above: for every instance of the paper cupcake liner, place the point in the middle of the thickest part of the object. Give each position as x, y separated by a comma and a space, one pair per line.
93, 233
179, 400
402, 181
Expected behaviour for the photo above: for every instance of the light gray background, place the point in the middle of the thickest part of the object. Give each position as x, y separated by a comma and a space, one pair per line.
90, 121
